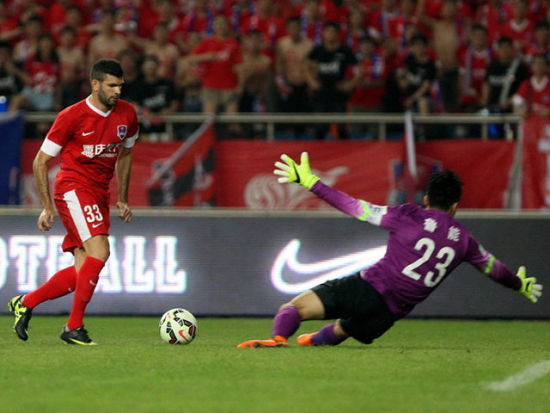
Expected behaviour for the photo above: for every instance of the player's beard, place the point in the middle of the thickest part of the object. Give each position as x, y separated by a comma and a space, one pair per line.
105, 100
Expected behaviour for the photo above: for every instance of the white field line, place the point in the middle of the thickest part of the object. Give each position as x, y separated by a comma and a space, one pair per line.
526, 376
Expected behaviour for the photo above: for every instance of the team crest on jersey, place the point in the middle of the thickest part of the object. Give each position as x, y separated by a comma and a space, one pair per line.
121, 131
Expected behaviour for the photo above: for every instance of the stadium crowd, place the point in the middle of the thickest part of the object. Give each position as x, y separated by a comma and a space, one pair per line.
360, 56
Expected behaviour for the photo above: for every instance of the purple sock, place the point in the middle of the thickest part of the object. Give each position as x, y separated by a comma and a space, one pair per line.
286, 322
326, 336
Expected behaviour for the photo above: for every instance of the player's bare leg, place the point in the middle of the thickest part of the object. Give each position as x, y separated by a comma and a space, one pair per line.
89, 263
306, 306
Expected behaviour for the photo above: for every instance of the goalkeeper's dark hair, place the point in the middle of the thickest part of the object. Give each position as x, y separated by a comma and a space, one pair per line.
104, 67
444, 189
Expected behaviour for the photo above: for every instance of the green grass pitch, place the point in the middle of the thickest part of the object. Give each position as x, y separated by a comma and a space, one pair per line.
418, 366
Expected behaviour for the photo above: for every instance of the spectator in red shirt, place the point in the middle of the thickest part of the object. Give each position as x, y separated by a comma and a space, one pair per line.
493, 14
199, 19
272, 27
519, 28
369, 80
311, 22
533, 95
474, 60
41, 77
541, 44
408, 21
356, 30
27, 46
74, 19
384, 22
219, 57
238, 14
57, 15
334, 10
9, 29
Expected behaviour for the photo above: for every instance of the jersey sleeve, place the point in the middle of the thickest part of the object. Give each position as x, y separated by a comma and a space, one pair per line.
133, 130
357, 208
58, 135
486, 262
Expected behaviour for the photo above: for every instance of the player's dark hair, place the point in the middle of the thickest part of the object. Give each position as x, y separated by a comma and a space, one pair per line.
104, 67
4, 45
444, 189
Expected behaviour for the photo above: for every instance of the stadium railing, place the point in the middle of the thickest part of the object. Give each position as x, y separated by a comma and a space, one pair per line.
383, 120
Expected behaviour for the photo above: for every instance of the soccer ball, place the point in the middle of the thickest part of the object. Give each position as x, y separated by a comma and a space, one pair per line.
178, 326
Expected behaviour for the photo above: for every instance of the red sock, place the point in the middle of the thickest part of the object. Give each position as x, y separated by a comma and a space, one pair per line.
86, 281
61, 283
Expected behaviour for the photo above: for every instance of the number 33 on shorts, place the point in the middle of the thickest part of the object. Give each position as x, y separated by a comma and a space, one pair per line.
92, 213
82, 214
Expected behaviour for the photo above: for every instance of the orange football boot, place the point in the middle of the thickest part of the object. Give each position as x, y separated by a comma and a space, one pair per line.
275, 341
305, 339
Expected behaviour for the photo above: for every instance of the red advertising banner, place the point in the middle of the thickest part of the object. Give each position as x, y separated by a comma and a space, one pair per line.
245, 172
243, 175
536, 163
483, 166
367, 170
187, 181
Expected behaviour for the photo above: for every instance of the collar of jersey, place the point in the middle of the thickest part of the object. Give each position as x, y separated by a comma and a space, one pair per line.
96, 110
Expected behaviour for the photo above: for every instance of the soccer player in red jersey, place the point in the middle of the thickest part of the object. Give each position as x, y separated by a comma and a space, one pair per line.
94, 138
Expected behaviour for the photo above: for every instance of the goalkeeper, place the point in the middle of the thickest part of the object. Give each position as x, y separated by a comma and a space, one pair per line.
425, 245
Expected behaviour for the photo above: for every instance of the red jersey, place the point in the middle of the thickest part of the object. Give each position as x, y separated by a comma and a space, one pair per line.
374, 69
45, 75
193, 22
473, 66
384, 24
271, 27
333, 12
89, 141
521, 34
237, 17
534, 95
219, 74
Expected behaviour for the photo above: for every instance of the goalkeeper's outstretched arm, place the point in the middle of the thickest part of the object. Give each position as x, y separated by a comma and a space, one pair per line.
491, 266
290, 171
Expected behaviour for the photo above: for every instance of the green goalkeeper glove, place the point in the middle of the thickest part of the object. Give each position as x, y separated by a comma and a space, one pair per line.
290, 171
529, 287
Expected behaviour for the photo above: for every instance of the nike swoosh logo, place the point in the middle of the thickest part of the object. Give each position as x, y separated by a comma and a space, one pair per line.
307, 276
87, 133
97, 225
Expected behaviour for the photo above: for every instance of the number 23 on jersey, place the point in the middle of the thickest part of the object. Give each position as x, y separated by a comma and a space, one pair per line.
445, 256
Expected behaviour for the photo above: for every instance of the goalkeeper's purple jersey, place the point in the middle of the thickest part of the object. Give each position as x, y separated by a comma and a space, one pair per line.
424, 246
